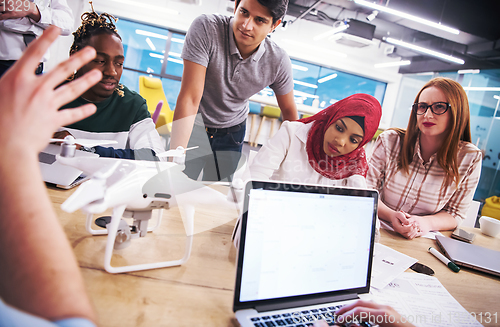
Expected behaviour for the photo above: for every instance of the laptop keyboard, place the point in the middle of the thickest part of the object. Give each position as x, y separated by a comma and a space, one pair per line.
304, 318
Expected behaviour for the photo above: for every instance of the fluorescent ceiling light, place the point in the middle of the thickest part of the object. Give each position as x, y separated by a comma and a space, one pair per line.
304, 94
301, 68
177, 61
392, 64
152, 8
481, 88
305, 84
302, 45
151, 34
327, 78
174, 54
407, 16
424, 50
469, 71
176, 40
337, 29
155, 55
496, 97
150, 43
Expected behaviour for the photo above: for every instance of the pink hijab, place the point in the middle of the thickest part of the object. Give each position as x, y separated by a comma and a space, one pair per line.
353, 163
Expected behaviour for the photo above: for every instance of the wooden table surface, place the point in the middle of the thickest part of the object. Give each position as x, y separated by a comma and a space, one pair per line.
200, 292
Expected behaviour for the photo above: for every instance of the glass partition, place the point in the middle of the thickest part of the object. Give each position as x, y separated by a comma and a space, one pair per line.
328, 86
145, 50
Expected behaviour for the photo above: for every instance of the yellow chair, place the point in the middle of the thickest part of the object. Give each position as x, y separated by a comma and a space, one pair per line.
268, 112
377, 133
254, 111
151, 89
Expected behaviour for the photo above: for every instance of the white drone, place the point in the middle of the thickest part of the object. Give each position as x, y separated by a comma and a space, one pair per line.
133, 189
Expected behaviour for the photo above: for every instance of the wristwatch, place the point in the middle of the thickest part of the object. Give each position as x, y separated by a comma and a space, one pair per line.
87, 149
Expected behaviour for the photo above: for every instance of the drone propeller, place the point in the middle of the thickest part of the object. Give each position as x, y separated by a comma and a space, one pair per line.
175, 153
84, 142
92, 190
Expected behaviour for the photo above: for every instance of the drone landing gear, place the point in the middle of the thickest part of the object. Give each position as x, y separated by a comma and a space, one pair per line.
103, 221
120, 235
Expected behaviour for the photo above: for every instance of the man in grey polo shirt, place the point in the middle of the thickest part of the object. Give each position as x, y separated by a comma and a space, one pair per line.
226, 61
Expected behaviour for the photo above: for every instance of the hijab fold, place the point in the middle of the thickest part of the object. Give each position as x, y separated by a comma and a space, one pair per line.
353, 163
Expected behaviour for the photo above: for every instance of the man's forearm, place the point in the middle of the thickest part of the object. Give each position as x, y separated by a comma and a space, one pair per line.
39, 273
290, 115
182, 126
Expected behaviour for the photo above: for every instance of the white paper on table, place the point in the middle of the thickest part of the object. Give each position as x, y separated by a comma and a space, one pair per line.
423, 301
431, 234
387, 265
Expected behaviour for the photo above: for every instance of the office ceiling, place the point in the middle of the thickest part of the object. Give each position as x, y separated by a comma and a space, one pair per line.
478, 42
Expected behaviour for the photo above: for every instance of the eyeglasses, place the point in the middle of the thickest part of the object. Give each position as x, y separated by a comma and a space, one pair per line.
437, 108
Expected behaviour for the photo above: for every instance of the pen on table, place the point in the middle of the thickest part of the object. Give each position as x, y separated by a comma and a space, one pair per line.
444, 259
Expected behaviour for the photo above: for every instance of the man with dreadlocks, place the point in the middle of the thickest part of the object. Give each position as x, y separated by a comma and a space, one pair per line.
121, 114
22, 21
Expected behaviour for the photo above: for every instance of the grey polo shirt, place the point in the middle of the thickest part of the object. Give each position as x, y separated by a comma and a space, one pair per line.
231, 80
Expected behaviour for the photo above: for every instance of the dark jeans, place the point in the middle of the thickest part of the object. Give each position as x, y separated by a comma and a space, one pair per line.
220, 160
6, 64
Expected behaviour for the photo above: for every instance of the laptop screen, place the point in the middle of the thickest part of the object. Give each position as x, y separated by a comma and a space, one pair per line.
304, 240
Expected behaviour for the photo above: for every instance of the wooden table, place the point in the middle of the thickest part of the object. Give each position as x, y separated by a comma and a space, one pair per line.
200, 292
477, 292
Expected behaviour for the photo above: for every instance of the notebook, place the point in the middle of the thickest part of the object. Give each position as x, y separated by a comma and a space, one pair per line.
56, 173
305, 250
470, 255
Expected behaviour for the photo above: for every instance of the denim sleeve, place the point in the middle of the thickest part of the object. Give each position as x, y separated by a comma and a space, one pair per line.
137, 154
12, 317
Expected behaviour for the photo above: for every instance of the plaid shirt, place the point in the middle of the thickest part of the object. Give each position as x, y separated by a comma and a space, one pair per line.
420, 192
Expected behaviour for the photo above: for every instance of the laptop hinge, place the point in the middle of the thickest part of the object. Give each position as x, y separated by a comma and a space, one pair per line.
302, 303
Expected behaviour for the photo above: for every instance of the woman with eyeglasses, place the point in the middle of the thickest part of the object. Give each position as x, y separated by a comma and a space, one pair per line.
428, 173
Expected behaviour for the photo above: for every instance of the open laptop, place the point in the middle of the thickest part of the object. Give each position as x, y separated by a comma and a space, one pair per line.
470, 255
58, 174
305, 250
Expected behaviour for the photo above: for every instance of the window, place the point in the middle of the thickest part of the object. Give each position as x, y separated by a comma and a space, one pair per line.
145, 50
329, 86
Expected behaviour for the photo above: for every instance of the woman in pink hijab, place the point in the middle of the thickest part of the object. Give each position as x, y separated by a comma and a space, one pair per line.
326, 148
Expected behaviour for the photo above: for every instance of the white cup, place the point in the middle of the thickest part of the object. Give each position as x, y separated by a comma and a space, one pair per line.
489, 226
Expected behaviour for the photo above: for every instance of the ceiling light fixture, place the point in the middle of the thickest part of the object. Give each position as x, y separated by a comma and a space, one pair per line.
468, 71
151, 34
305, 84
496, 97
304, 94
336, 29
372, 16
174, 54
151, 8
327, 78
481, 88
299, 67
177, 61
424, 50
407, 16
155, 55
303, 45
392, 64
150, 43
